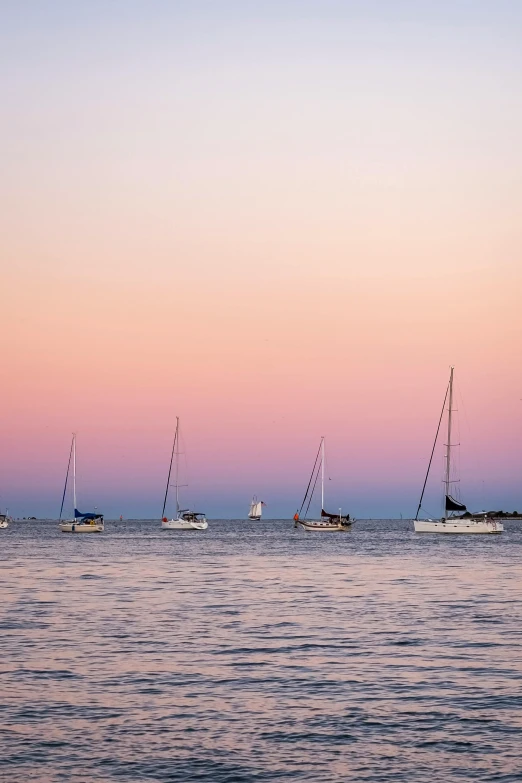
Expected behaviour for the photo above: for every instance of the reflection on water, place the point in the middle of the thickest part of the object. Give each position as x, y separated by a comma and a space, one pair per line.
254, 652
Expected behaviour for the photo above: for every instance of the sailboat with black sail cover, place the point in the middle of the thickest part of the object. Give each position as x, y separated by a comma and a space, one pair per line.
327, 522
456, 518
185, 519
83, 522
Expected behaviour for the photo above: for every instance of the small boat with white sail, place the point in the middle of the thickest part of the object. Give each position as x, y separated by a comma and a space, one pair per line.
256, 509
184, 519
456, 518
83, 522
328, 522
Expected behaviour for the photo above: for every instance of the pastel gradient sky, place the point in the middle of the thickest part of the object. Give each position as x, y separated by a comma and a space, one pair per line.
277, 220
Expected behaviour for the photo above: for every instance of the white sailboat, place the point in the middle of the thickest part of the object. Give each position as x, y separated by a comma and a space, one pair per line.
256, 509
327, 522
89, 522
185, 519
449, 523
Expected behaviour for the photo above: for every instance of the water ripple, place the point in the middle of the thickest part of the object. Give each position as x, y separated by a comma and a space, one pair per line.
257, 653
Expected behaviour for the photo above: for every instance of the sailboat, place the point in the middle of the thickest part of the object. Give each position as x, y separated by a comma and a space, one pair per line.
449, 523
327, 522
185, 519
88, 522
256, 509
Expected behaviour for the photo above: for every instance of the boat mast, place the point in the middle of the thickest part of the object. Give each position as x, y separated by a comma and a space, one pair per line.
311, 484
74, 472
177, 466
170, 470
448, 445
66, 477
432, 453
322, 475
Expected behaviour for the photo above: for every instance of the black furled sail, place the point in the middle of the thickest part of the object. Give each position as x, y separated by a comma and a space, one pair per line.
326, 515
454, 505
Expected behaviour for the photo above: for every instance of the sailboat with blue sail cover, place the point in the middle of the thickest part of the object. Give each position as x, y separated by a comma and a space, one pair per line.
83, 522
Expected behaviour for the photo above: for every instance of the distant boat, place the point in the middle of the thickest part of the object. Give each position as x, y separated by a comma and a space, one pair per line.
89, 522
256, 509
449, 523
328, 522
5, 519
185, 519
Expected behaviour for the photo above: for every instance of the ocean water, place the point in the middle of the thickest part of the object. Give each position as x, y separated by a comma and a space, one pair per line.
253, 652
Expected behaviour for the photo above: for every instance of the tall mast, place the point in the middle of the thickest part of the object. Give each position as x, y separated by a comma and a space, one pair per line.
66, 476
177, 466
432, 453
448, 445
322, 475
74, 473
170, 471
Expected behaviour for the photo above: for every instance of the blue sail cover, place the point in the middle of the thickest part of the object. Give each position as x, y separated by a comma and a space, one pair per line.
89, 515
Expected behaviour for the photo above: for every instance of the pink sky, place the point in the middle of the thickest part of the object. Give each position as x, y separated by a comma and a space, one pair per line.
280, 242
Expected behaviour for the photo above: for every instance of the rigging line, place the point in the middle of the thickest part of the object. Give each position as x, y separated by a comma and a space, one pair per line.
476, 459
185, 470
311, 477
432, 453
170, 471
184, 454
66, 479
312, 492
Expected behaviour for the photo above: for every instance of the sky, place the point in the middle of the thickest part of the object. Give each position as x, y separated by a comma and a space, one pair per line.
277, 221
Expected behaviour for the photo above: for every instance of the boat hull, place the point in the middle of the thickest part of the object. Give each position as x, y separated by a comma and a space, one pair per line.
324, 527
77, 527
4, 523
184, 524
254, 519
456, 526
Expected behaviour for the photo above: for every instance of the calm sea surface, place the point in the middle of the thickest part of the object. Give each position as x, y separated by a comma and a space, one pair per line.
254, 652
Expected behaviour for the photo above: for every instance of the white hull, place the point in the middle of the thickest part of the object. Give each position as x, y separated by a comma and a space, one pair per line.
324, 527
4, 523
183, 524
466, 526
77, 527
